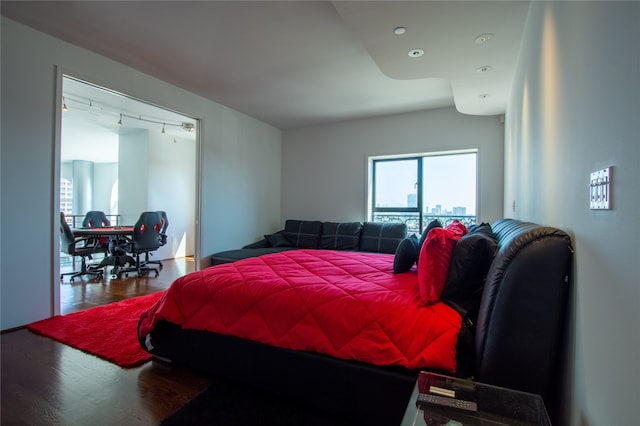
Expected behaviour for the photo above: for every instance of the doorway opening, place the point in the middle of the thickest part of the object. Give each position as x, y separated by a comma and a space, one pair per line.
123, 156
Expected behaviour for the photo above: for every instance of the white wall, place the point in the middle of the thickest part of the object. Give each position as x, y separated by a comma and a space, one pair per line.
133, 172
575, 109
104, 176
240, 156
172, 183
324, 168
155, 172
82, 185
245, 182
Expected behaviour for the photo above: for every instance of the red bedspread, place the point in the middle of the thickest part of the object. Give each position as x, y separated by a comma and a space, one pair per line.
346, 304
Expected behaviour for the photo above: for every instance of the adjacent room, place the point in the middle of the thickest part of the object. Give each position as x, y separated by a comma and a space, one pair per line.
372, 140
119, 158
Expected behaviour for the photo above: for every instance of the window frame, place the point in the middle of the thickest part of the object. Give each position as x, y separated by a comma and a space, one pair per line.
418, 160
373, 161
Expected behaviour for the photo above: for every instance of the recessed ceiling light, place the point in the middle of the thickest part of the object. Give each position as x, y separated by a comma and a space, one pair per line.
483, 68
415, 53
399, 30
483, 38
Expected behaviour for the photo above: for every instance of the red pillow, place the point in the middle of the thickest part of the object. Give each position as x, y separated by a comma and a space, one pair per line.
434, 260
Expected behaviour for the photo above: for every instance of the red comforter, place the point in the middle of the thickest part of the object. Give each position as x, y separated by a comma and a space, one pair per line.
346, 304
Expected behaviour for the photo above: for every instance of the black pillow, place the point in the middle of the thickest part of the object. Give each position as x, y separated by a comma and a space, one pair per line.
303, 233
406, 254
382, 237
483, 228
278, 239
340, 236
470, 262
433, 224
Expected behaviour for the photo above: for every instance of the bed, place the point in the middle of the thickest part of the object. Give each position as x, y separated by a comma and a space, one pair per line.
342, 332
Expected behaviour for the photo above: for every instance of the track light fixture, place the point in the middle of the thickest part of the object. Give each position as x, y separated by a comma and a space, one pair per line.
106, 109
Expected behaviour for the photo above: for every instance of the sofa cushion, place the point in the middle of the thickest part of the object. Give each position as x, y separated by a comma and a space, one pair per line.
263, 243
406, 254
435, 257
278, 239
382, 237
233, 255
303, 233
340, 236
470, 262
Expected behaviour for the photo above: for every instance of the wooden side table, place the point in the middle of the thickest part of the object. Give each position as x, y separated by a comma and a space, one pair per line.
444, 400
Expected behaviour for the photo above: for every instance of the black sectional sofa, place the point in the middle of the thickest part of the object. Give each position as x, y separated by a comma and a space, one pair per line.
368, 236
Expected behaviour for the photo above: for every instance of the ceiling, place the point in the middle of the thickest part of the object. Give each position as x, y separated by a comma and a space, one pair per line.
300, 63
93, 119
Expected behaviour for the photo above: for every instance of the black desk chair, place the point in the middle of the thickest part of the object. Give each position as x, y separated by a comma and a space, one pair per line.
163, 238
81, 247
145, 239
97, 219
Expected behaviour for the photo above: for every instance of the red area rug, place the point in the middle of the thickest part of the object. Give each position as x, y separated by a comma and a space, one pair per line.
107, 331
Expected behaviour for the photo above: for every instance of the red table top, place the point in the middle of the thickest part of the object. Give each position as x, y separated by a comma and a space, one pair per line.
111, 230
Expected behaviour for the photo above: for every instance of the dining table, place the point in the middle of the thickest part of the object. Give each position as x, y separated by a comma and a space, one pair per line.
112, 237
108, 231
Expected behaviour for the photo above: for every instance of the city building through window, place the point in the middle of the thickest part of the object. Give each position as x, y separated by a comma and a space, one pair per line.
66, 196
420, 188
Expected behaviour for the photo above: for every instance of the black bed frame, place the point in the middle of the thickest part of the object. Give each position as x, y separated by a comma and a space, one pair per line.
518, 340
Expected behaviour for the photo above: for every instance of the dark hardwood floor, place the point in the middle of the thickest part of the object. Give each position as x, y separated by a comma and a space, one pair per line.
45, 382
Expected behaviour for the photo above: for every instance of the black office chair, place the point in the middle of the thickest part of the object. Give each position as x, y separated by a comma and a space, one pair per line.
145, 239
163, 238
80, 247
95, 219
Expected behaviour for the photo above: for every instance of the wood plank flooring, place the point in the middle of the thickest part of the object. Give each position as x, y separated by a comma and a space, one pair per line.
45, 382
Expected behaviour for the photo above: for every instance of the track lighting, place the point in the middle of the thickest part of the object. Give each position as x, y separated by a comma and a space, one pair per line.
107, 109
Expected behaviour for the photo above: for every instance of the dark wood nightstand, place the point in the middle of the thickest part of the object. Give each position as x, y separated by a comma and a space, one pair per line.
444, 400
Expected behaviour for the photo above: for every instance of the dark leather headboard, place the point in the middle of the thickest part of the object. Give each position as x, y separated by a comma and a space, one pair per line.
522, 312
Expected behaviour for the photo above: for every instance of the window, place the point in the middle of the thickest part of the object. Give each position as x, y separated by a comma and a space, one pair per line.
66, 197
114, 201
418, 189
